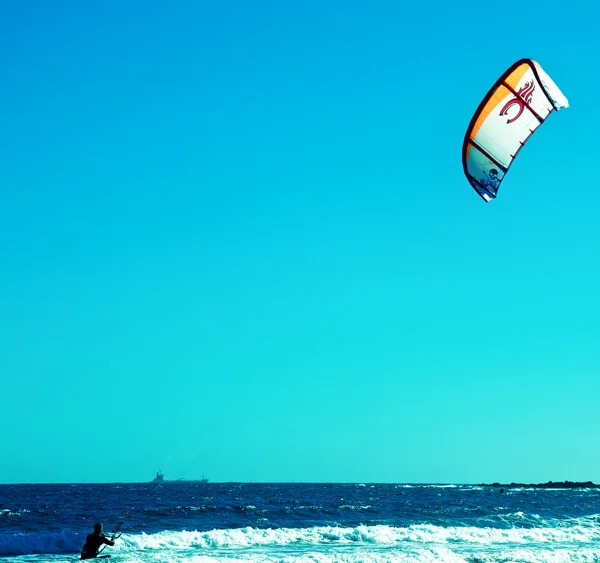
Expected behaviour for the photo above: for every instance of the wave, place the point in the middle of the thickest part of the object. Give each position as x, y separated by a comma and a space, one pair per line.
7, 512
51, 542
578, 532
374, 535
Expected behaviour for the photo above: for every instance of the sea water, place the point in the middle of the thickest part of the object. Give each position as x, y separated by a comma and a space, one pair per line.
287, 523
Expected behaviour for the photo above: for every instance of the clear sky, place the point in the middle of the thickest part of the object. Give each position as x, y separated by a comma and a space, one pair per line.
236, 240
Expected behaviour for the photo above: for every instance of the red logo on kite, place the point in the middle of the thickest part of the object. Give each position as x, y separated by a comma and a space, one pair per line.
525, 96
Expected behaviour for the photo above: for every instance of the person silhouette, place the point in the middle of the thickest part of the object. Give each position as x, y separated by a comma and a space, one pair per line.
94, 541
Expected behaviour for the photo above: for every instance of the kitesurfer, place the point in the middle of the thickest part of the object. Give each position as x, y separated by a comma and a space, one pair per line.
94, 541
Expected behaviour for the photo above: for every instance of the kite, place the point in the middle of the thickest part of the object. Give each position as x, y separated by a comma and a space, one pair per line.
518, 103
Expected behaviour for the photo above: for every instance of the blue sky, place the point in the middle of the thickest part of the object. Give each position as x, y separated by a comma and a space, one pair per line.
237, 241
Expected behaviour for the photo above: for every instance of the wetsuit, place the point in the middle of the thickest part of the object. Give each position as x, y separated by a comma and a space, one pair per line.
93, 543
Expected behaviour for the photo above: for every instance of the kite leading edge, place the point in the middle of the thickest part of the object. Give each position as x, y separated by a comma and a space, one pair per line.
518, 103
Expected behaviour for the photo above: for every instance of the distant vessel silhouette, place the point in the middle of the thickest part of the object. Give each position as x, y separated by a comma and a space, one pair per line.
160, 478
203, 480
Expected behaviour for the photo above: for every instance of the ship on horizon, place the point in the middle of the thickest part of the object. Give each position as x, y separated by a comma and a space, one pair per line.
160, 478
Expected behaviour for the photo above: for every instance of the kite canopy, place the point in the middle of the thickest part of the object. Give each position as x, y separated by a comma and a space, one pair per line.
518, 103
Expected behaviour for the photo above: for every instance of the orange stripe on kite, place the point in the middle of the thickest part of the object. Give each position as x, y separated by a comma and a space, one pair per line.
501, 92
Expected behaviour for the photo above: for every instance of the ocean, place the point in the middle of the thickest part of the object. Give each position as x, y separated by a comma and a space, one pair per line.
192, 522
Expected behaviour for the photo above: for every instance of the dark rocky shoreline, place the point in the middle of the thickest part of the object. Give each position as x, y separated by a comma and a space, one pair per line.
548, 485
